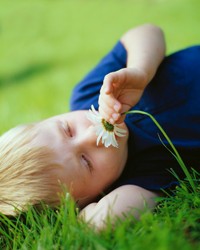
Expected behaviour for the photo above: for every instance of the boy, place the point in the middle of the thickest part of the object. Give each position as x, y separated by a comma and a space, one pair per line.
38, 159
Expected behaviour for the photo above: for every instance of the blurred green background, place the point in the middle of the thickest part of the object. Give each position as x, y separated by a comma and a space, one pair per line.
46, 47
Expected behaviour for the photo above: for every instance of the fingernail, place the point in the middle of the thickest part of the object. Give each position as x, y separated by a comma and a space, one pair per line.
111, 121
115, 116
116, 107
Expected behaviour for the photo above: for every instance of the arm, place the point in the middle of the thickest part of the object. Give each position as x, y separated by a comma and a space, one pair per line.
122, 89
127, 199
146, 49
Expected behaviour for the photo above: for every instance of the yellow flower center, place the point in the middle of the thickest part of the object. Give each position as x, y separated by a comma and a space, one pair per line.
107, 126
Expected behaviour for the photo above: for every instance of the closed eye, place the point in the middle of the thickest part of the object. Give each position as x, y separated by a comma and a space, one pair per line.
67, 129
87, 162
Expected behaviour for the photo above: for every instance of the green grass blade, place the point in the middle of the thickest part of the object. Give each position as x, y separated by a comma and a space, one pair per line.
178, 157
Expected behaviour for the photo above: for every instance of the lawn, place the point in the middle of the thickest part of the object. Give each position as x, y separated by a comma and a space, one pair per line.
46, 47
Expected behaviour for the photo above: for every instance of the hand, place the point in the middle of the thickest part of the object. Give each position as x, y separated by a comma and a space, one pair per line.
121, 90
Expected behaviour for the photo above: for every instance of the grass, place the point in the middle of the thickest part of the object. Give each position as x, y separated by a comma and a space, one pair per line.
46, 47
175, 224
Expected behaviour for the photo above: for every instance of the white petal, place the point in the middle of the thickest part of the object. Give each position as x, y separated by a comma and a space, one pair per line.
105, 138
118, 134
95, 111
108, 138
114, 141
107, 142
120, 130
105, 135
91, 116
98, 129
99, 137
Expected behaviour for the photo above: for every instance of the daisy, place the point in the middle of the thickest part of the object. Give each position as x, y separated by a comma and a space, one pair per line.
104, 130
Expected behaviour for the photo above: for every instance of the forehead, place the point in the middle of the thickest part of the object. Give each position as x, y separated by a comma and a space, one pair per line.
79, 115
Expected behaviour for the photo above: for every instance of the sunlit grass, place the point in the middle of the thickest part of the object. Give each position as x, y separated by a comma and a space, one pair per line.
174, 224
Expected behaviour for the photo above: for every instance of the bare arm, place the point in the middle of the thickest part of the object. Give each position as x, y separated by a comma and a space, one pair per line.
121, 90
145, 47
125, 199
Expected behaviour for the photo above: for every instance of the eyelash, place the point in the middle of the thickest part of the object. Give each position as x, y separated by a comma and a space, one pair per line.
87, 162
67, 130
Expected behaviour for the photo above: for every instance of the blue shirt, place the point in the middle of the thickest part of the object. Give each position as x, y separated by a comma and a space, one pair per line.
172, 97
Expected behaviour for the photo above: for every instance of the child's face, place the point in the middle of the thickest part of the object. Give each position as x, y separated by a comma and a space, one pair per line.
87, 168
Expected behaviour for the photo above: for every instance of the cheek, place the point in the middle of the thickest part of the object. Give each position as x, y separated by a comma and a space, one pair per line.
110, 165
117, 160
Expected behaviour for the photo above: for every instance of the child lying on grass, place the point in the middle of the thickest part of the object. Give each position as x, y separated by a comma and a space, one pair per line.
38, 160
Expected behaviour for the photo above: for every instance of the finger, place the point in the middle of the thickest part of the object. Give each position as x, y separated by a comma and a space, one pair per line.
108, 82
107, 87
109, 108
107, 111
109, 116
109, 100
121, 119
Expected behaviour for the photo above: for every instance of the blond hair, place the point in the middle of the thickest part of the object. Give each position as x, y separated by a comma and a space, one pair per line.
25, 172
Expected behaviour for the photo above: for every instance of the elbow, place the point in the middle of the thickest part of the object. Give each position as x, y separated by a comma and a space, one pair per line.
153, 28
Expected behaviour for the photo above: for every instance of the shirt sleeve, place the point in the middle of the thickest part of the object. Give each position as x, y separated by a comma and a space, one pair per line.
86, 92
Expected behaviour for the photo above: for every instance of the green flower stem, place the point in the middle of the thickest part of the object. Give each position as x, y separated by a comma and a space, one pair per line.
178, 157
